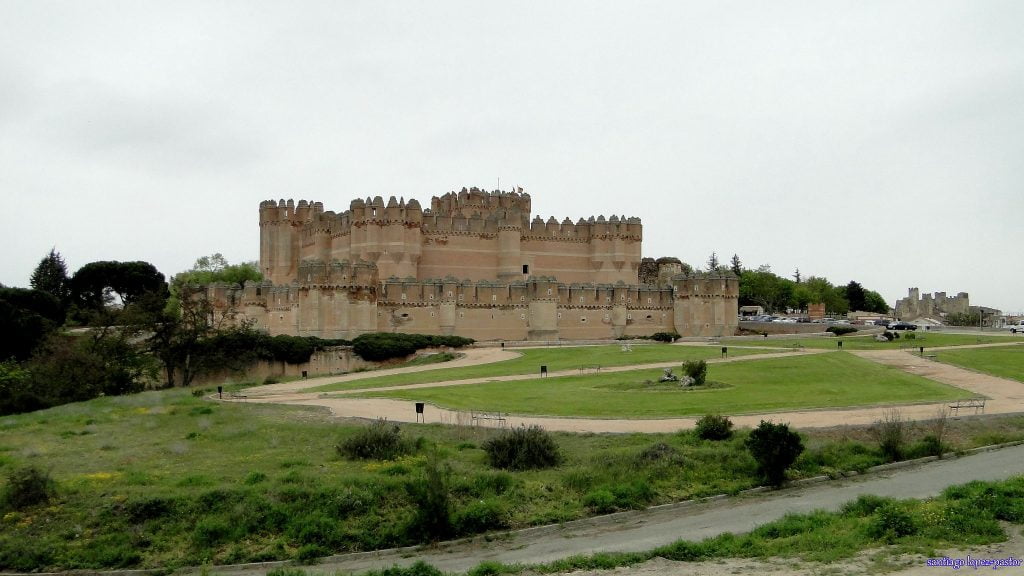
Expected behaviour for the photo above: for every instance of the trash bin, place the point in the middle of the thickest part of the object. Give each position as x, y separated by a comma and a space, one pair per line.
544, 370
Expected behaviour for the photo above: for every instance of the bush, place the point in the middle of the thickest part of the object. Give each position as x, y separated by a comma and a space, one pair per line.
892, 521
714, 427
378, 346
432, 519
891, 434
665, 336
310, 553
381, 440
481, 516
910, 336
26, 487
890, 336
775, 447
697, 371
523, 449
660, 452
840, 330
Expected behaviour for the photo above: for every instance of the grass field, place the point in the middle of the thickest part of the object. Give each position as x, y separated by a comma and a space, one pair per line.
169, 479
555, 359
857, 341
774, 384
1005, 362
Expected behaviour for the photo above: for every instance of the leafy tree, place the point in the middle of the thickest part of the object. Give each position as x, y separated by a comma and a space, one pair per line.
855, 296
95, 285
51, 276
775, 447
821, 290
736, 265
26, 318
713, 263
873, 302
215, 268
763, 288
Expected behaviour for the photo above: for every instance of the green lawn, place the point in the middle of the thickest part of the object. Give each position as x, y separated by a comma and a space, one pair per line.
1005, 362
775, 384
856, 341
555, 359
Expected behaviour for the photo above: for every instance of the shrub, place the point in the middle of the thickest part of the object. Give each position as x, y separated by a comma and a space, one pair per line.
665, 336
419, 568
840, 330
523, 449
714, 427
891, 434
481, 516
892, 521
865, 505
775, 447
910, 336
697, 371
310, 554
432, 519
890, 336
381, 440
385, 346
26, 487
660, 452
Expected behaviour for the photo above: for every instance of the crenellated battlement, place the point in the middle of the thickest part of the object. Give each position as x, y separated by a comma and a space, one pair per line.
475, 262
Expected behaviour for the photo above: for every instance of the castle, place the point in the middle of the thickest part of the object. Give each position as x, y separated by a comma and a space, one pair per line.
474, 264
915, 306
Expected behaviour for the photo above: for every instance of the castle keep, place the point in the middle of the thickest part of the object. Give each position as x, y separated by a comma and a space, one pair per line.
473, 264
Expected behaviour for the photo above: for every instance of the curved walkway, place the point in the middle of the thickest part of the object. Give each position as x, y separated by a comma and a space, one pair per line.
1004, 396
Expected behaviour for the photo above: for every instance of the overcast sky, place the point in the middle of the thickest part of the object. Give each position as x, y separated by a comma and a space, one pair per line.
881, 142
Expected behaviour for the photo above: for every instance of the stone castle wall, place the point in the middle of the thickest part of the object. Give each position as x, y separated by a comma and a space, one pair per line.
474, 264
935, 305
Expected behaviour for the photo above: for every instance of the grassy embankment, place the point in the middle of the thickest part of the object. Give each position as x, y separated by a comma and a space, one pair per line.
970, 515
167, 479
772, 384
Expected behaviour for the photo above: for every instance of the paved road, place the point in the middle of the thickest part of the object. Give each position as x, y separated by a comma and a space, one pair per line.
643, 530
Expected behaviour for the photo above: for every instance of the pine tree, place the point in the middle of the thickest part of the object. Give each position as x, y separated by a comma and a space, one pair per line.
736, 265
712, 262
51, 276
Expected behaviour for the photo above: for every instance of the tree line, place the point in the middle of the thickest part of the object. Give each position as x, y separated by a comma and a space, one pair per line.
774, 293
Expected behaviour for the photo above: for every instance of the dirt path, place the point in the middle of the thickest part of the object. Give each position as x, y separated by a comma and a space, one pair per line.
1004, 396
648, 529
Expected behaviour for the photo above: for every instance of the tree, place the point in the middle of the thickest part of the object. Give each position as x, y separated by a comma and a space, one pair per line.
855, 296
873, 302
51, 276
775, 447
215, 268
26, 318
763, 288
95, 285
736, 265
713, 263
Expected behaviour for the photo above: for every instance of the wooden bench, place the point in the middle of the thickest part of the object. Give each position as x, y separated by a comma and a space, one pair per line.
977, 403
479, 418
236, 396
590, 368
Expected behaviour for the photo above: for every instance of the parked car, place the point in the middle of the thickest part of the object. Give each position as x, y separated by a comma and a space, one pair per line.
903, 326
